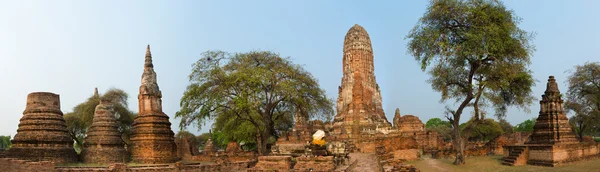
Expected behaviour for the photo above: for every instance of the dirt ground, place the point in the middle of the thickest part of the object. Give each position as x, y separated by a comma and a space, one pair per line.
493, 164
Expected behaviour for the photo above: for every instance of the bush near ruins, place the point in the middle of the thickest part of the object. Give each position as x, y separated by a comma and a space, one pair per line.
482, 130
80, 119
477, 56
5, 142
254, 93
444, 128
525, 126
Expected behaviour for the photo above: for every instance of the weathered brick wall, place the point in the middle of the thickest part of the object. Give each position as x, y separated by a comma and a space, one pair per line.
16, 165
406, 154
573, 152
322, 163
539, 155
557, 154
367, 147
272, 163
11, 164
2, 153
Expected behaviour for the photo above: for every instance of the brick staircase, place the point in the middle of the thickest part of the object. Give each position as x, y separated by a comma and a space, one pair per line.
517, 156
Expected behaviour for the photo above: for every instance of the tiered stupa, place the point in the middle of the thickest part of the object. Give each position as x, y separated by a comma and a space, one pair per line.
209, 147
103, 143
42, 133
552, 125
552, 141
359, 103
152, 139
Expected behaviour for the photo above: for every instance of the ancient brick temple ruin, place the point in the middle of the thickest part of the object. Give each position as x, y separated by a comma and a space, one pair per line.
359, 103
42, 133
360, 126
152, 139
103, 143
552, 141
552, 125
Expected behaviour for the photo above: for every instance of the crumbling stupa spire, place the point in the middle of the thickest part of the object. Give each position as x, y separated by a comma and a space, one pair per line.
148, 58
152, 139
96, 92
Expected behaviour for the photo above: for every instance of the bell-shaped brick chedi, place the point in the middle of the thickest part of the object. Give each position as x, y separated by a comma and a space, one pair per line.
42, 133
152, 139
103, 143
552, 125
359, 103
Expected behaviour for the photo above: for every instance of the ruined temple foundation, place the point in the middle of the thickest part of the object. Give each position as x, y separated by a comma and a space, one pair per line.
152, 140
103, 143
42, 134
552, 141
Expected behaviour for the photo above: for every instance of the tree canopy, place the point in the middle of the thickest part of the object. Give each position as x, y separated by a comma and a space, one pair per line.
583, 98
482, 130
81, 118
506, 126
476, 55
252, 96
525, 126
444, 128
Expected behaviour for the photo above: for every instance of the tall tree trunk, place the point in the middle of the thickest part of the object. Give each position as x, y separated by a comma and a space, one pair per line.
261, 143
265, 134
458, 143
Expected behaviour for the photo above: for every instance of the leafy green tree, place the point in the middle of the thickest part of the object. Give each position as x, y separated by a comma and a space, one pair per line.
481, 130
583, 98
80, 119
444, 128
436, 122
5, 142
505, 125
257, 88
477, 55
525, 126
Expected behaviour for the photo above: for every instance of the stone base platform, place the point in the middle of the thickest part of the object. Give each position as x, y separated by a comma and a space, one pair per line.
549, 155
272, 164
56, 155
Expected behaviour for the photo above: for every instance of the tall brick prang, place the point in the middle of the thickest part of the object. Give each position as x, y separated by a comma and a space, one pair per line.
103, 143
42, 134
359, 102
152, 139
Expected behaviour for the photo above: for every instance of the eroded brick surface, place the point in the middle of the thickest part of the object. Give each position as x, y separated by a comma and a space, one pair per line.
42, 133
359, 101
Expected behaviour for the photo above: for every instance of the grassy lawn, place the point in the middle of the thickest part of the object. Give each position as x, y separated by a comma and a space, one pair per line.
493, 164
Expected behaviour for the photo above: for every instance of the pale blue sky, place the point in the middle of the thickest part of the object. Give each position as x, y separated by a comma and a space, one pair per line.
70, 47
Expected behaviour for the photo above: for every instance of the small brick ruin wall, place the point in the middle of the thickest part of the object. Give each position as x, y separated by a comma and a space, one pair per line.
323, 163
11, 164
518, 138
16, 165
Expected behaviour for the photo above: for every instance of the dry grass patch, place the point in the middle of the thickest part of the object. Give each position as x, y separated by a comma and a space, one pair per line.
494, 164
